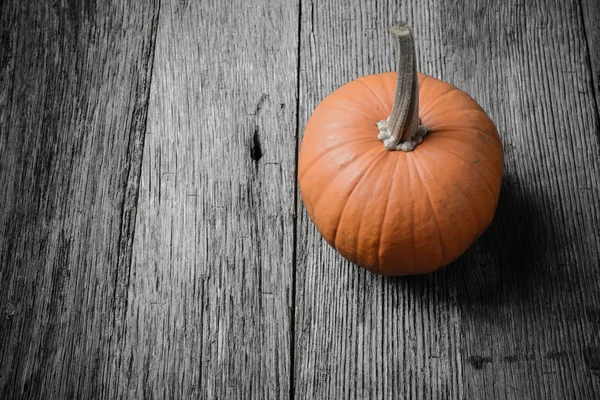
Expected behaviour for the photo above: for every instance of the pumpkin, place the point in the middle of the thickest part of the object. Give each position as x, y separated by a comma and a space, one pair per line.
400, 172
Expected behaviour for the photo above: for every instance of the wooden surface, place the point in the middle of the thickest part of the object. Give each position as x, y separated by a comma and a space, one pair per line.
152, 240
591, 16
75, 82
210, 283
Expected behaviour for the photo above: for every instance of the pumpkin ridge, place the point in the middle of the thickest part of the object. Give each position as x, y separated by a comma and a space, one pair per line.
466, 144
412, 222
333, 176
453, 113
367, 169
446, 127
471, 104
439, 133
361, 80
358, 240
437, 100
422, 181
467, 163
478, 129
478, 219
387, 203
366, 153
349, 111
329, 151
457, 156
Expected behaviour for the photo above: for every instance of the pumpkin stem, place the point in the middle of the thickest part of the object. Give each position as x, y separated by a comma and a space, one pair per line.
402, 130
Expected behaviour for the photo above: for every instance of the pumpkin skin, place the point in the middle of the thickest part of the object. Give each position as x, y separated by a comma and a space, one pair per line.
396, 212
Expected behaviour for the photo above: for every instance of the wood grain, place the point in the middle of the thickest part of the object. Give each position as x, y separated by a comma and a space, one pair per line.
590, 11
517, 315
209, 307
74, 86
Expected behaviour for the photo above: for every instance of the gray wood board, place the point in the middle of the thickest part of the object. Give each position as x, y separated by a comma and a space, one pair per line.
209, 310
74, 86
518, 315
590, 10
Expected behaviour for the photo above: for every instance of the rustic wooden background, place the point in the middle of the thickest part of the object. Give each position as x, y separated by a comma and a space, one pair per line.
153, 244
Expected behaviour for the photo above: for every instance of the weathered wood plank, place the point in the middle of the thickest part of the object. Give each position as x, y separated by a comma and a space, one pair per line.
209, 308
74, 86
517, 316
590, 10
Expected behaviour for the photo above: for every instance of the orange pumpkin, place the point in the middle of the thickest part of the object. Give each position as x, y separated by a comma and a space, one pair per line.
416, 202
